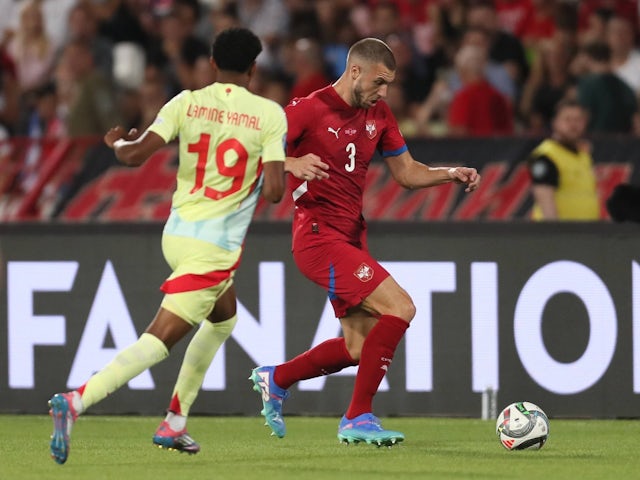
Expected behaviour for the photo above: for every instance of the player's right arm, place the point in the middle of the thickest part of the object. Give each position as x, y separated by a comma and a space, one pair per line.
307, 167
133, 151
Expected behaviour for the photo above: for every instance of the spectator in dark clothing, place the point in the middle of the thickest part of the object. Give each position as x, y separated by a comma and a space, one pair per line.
86, 94
414, 73
120, 22
549, 82
82, 25
505, 47
175, 37
611, 103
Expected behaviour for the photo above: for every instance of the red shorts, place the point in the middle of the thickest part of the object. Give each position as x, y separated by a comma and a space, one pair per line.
342, 266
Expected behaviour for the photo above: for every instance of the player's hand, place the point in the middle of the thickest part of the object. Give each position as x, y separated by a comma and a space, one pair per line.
117, 133
469, 176
307, 167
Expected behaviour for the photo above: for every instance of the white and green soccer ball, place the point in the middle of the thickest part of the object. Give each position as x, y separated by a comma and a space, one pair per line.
521, 426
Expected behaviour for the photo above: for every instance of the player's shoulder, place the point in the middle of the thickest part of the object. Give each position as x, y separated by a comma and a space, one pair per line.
270, 110
312, 101
181, 96
265, 103
381, 113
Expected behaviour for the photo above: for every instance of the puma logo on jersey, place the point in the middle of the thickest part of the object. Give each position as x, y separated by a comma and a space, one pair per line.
335, 132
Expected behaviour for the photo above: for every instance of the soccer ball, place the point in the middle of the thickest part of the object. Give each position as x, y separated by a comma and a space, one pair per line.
522, 425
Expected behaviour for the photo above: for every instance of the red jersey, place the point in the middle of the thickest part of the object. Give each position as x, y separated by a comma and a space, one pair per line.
514, 15
481, 110
345, 138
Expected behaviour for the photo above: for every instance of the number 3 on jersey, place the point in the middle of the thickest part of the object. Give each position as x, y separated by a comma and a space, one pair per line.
351, 153
236, 172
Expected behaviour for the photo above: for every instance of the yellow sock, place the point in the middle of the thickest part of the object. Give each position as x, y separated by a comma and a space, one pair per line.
129, 363
199, 355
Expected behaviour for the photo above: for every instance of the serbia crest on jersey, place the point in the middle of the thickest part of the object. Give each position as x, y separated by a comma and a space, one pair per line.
370, 127
346, 138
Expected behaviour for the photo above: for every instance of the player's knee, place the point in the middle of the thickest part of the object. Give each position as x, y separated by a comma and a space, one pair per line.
405, 309
402, 308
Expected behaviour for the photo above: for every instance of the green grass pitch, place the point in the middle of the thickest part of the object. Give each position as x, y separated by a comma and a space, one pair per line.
110, 447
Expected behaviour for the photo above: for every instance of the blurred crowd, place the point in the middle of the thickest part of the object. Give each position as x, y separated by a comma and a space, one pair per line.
74, 68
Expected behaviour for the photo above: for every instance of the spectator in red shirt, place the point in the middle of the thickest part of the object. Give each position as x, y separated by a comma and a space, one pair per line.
477, 109
542, 24
409, 12
514, 15
587, 9
9, 93
308, 68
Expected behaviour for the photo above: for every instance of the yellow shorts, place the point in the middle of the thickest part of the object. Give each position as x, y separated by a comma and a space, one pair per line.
202, 272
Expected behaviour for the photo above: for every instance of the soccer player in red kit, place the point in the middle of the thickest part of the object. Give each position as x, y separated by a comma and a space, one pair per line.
343, 124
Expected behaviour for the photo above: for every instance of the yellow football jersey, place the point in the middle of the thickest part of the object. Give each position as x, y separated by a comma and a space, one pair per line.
226, 133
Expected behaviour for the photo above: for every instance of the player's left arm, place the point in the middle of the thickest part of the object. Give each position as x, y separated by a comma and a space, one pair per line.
273, 154
413, 175
130, 149
273, 187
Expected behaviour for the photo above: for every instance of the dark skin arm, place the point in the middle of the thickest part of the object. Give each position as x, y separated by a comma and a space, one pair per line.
130, 149
273, 187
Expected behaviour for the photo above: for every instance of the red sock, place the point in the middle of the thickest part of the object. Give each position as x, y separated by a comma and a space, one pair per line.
328, 357
376, 356
174, 405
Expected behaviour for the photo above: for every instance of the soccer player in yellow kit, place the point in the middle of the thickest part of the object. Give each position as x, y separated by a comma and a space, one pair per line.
231, 150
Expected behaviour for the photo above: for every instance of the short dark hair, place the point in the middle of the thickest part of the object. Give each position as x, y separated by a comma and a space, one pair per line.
598, 51
373, 50
567, 103
236, 49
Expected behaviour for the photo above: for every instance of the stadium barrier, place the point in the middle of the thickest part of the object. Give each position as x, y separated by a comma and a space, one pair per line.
548, 313
80, 180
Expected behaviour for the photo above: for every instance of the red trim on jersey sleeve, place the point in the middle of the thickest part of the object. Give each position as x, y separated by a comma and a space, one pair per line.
193, 281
